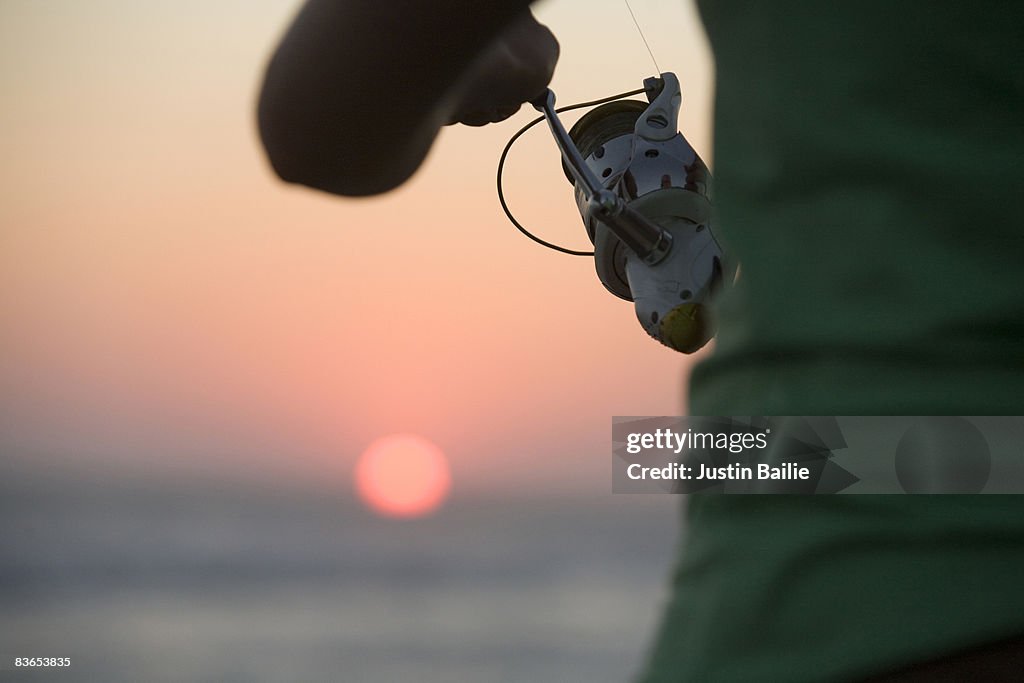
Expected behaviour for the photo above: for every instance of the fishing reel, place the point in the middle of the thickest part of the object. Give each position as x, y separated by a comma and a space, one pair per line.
644, 196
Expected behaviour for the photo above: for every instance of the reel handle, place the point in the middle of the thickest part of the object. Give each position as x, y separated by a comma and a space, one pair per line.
650, 242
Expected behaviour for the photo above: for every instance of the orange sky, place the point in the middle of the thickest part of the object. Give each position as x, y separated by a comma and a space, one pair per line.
166, 303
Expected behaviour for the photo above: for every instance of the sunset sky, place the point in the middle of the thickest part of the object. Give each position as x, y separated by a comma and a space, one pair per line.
168, 306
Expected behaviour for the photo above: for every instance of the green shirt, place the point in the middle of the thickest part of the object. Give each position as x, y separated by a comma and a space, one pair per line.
868, 179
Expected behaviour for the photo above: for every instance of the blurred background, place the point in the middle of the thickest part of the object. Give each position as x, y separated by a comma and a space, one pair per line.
195, 357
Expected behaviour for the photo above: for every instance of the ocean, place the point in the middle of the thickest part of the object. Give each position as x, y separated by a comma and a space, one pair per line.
171, 580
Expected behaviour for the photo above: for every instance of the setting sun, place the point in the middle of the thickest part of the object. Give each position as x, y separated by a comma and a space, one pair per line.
403, 475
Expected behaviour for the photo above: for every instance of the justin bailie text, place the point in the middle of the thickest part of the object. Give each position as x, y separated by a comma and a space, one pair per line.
786, 470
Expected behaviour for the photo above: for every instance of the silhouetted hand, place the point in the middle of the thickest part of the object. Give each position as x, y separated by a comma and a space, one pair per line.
357, 90
515, 69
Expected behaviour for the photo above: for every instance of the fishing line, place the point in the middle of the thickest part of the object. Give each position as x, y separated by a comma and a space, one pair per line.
642, 36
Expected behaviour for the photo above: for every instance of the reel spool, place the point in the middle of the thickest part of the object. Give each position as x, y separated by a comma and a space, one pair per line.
605, 134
